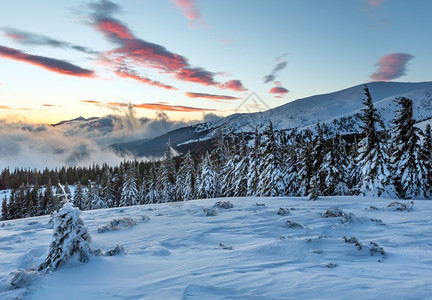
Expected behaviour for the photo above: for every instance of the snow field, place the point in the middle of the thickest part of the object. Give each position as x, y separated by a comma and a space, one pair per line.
180, 253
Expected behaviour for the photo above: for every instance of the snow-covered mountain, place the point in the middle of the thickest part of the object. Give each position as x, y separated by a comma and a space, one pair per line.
328, 107
175, 251
339, 110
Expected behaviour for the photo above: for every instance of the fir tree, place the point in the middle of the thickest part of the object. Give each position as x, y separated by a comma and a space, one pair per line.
207, 184
271, 177
335, 167
70, 237
406, 160
375, 175
241, 170
186, 178
166, 180
305, 164
129, 188
318, 172
5, 214
107, 191
79, 196
254, 162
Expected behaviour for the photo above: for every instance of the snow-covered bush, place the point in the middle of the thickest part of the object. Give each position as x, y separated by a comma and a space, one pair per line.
283, 211
222, 246
111, 252
293, 224
145, 218
336, 212
398, 206
223, 204
210, 212
377, 249
70, 237
22, 278
118, 224
353, 240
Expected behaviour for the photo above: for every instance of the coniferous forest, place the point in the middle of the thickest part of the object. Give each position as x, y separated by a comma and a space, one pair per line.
377, 161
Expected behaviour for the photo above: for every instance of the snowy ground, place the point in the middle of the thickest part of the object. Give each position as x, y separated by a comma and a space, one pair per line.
246, 252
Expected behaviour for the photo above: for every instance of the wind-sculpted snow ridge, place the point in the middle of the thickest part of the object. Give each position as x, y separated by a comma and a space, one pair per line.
248, 252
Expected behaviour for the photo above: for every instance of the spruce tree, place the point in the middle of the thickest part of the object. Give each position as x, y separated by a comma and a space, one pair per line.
241, 169
271, 176
207, 187
375, 175
254, 162
408, 165
318, 154
129, 189
79, 196
186, 178
70, 237
305, 164
167, 176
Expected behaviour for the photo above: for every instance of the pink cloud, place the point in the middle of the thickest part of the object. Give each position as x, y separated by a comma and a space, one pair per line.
391, 66
190, 11
130, 74
375, 3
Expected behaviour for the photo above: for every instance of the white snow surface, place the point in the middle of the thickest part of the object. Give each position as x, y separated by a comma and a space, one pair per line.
245, 252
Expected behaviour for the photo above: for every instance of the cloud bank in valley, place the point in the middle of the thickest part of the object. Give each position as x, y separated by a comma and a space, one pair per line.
81, 143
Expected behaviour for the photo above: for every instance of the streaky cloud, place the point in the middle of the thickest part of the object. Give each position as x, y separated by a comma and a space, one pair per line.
48, 63
127, 73
210, 96
28, 38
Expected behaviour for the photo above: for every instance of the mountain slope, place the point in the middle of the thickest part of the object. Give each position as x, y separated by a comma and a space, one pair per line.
339, 110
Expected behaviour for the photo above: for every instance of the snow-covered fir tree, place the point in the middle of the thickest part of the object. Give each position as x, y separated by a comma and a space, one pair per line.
70, 237
375, 177
79, 196
207, 185
272, 173
335, 167
305, 163
167, 176
408, 165
186, 178
129, 188
241, 169
153, 193
219, 157
254, 162
318, 154
107, 193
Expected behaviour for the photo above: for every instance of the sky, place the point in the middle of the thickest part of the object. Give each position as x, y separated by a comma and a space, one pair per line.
189, 58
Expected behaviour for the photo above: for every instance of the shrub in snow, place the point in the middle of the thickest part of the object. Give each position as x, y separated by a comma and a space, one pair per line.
293, 224
145, 218
111, 252
210, 212
377, 249
23, 277
353, 240
331, 265
372, 208
70, 237
283, 211
398, 206
225, 247
117, 224
336, 212
223, 204
260, 204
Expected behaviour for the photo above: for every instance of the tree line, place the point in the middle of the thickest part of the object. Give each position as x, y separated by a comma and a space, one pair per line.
377, 161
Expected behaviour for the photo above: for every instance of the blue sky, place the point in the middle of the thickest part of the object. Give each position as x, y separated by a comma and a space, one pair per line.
64, 59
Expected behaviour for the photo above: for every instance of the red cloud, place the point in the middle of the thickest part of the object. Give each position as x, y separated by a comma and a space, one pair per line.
190, 11
160, 106
235, 85
130, 74
210, 96
133, 51
391, 66
280, 91
5, 107
51, 64
90, 101
197, 75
